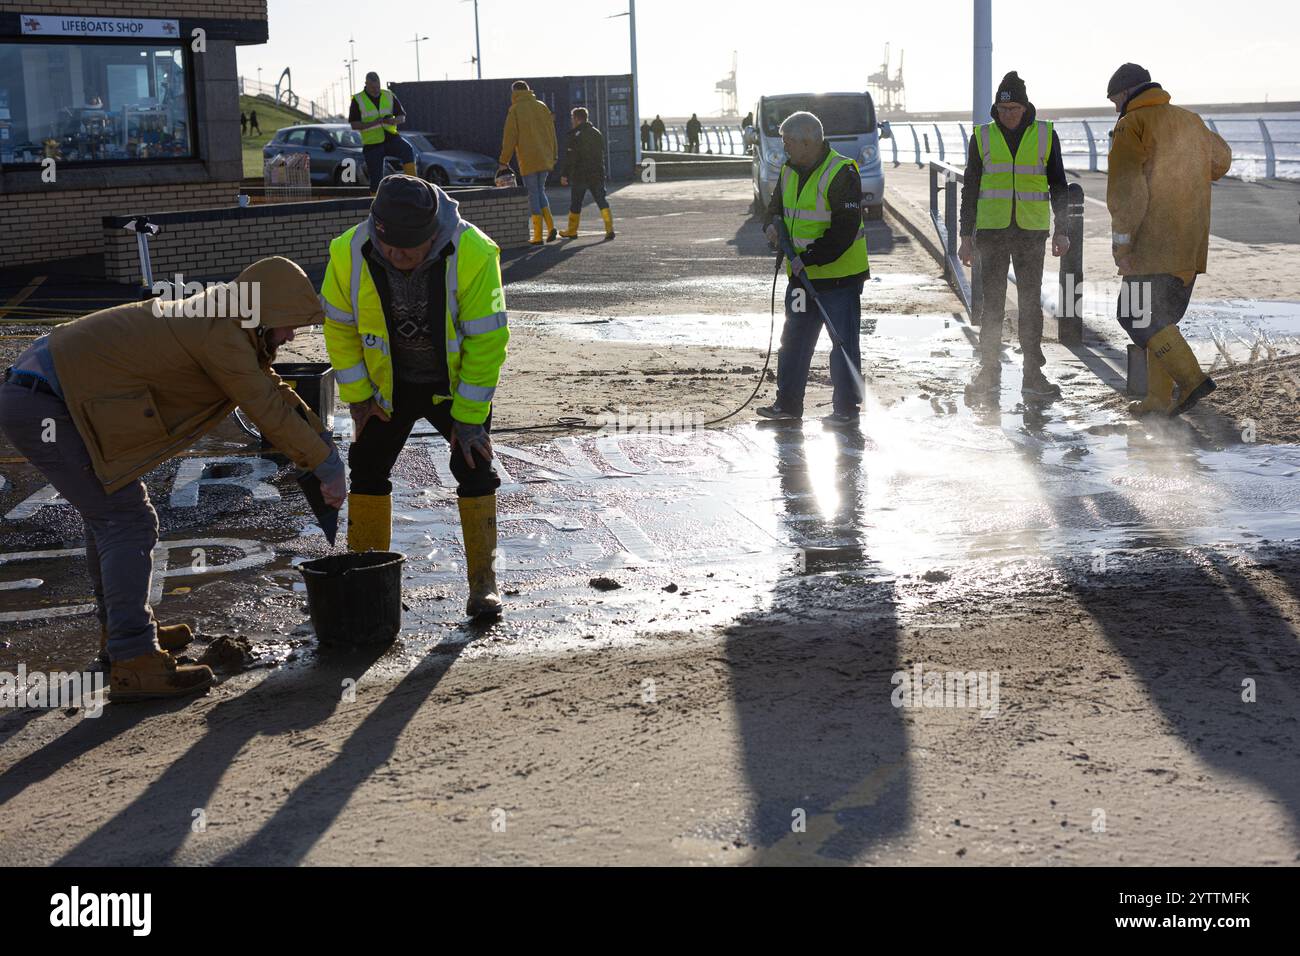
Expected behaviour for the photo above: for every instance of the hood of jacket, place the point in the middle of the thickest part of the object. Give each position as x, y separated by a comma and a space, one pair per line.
1151, 94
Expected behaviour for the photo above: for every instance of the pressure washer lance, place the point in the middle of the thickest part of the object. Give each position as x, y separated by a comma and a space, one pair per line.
787, 249
143, 230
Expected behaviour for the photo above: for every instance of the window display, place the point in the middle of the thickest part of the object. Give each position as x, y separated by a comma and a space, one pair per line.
93, 102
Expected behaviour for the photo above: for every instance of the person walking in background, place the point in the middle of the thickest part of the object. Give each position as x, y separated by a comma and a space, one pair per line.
530, 133
693, 127
253, 126
645, 134
1162, 161
1014, 186
376, 113
243, 123
584, 170
658, 128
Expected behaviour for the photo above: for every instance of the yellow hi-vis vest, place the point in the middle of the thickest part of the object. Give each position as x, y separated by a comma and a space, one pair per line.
356, 330
1023, 179
370, 112
807, 217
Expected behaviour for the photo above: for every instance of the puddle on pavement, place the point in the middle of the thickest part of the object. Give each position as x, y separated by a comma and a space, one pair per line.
701, 528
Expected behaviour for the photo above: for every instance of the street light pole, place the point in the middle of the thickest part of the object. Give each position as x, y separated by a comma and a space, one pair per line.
636, 116
352, 48
416, 41
982, 79
478, 51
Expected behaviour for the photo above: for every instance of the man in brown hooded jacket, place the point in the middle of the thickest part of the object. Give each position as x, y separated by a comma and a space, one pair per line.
104, 399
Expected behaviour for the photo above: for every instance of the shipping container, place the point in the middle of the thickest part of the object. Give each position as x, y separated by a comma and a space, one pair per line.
470, 114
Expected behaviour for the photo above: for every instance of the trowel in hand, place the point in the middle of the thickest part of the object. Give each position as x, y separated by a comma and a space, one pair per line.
326, 516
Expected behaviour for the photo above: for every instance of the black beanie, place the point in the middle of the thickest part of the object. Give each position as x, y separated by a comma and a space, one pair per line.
1011, 90
1126, 77
405, 211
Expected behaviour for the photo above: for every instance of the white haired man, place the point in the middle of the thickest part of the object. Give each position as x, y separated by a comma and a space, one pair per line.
819, 197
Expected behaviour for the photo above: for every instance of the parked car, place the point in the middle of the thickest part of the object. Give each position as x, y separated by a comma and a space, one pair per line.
449, 167
328, 145
850, 128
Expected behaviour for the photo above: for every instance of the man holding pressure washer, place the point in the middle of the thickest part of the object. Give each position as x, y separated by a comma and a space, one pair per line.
819, 203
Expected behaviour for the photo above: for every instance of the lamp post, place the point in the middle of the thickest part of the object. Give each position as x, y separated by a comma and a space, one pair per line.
636, 116
416, 41
982, 79
478, 51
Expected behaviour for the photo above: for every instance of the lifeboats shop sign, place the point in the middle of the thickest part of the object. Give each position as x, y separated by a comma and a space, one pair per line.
72, 26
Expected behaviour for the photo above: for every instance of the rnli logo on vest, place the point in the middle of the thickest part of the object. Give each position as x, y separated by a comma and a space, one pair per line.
370, 340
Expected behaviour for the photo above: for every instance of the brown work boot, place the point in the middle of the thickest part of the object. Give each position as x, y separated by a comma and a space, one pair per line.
156, 675
171, 637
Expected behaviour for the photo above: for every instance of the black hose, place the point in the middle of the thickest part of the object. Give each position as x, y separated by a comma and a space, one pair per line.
573, 423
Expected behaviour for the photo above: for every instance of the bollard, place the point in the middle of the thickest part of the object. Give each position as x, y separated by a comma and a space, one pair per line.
143, 229
1069, 305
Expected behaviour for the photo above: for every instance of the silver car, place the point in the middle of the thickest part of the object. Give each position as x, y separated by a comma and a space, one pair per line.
328, 145
449, 167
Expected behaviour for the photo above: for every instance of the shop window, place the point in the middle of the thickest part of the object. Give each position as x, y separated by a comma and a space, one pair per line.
93, 102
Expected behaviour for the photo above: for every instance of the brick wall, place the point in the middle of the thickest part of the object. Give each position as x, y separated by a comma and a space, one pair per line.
59, 225
161, 9
218, 243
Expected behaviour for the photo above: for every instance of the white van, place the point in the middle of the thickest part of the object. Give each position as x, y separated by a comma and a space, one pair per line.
849, 120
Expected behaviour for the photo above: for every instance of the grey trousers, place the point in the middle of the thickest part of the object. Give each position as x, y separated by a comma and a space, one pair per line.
121, 529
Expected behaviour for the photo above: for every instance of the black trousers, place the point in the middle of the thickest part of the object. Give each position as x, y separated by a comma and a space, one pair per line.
578, 189
997, 249
374, 452
1150, 303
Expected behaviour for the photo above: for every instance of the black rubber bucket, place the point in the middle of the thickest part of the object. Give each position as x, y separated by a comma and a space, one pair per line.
355, 598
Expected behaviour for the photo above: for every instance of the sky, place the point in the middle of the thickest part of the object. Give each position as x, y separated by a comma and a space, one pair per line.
1202, 51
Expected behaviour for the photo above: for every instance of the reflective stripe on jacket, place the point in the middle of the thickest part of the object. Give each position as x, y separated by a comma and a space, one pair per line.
356, 330
1021, 181
371, 112
807, 217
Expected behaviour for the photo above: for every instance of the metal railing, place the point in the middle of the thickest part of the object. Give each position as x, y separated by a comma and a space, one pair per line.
1261, 148
714, 141
946, 178
316, 109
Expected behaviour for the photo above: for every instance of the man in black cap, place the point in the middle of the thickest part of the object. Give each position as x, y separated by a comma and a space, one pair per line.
415, 325
1013, 186
1162, 161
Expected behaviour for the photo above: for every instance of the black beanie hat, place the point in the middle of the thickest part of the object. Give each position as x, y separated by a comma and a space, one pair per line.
1126, 77
1012, 90
405, 210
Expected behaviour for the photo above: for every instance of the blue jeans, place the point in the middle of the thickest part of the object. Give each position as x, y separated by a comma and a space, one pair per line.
536, 183
799, 340
121, 529
375, 153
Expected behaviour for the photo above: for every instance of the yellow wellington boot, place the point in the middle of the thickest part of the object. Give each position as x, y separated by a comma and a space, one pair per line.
408, 168
609, 223
171, 637
155, 675
572, 231
1160, 391
1173, 352
478, 527
550, 224
370, 522
536, 222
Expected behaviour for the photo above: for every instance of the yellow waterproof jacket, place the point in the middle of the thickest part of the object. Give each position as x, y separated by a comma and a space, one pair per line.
1162, 161
530, 130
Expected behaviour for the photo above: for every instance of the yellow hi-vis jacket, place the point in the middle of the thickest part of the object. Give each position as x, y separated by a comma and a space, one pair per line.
807, 217
356, 330
370, 111
1023, 178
